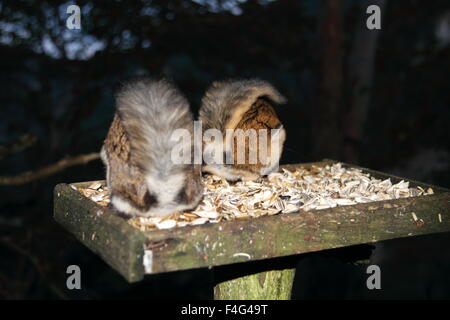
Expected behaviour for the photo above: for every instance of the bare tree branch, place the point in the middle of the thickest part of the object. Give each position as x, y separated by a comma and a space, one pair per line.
37, 265
23, 142
47, 171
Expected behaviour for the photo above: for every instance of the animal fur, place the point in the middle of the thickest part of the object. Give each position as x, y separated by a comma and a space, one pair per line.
242, 104
143, 179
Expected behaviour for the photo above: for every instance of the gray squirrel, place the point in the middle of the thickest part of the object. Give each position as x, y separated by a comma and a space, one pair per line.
243, 104
143, 179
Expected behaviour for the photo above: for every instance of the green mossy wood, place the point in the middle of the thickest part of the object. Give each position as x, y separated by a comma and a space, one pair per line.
268, 285
126, 248
111, 237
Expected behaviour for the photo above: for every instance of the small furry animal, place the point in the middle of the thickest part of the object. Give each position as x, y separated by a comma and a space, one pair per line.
143, 179
243, 104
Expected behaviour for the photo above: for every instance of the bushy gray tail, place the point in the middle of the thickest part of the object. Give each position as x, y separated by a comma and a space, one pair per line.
150, 111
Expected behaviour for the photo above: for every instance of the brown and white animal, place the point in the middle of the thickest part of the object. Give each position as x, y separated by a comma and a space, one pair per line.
243, 104
142, 177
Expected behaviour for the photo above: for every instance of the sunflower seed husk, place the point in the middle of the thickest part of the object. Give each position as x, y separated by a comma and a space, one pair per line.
282, 192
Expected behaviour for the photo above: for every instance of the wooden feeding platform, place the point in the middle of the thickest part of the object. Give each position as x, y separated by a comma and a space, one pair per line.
135, 253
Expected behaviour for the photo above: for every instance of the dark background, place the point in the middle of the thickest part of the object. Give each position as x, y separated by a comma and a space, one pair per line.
378, 98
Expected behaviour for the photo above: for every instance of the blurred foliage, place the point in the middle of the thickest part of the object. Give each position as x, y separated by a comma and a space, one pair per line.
58, 84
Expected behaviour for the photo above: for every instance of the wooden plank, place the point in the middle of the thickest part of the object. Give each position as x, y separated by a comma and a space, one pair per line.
295, 233
117, 242
209, 245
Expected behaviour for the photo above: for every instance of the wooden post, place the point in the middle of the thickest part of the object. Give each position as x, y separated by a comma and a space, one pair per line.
268, 279
268, 285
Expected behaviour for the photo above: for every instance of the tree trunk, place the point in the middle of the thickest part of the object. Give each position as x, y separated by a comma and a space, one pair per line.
326, 129
361, 65
268, 285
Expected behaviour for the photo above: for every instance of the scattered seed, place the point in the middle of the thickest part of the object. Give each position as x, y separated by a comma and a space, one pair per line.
242, 254
420, 223
282, 192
